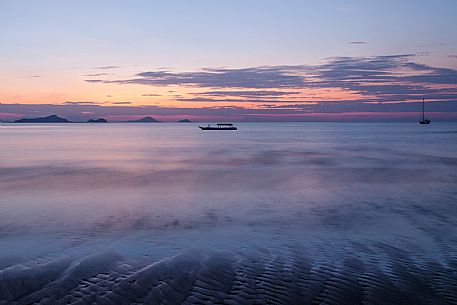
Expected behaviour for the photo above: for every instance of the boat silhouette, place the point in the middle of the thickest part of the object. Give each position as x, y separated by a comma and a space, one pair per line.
220, 126
423, 120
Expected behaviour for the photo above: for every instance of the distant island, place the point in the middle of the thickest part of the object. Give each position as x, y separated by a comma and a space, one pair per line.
48, 119
146, 119
56, 119
100, 120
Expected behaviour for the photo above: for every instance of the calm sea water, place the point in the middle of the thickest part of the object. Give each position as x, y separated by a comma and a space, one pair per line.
156, 190
77, 183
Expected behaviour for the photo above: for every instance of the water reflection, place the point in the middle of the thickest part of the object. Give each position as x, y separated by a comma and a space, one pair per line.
123, 178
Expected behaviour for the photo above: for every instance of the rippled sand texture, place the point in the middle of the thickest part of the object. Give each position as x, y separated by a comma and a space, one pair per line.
378, 274
271, 214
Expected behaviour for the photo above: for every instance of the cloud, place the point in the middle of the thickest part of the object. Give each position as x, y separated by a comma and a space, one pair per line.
82, 103
257, 77
453, 56
358, 42
373, 107
121, 103
250, 93
95, 81
387, 78
203, 99
236, 100
106, 67
150, 94
360, 68
376, 78
34, 76
97, 74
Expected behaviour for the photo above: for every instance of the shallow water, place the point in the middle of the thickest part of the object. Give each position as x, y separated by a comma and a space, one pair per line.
272, 213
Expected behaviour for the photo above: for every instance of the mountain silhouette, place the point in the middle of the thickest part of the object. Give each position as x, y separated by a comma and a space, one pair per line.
48, 119
146, 119
100, 120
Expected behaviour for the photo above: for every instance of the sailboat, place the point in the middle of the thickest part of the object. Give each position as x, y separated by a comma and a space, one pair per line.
423, 120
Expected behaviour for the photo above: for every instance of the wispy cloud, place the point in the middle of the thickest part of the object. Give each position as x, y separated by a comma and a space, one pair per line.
358, 42
95, 81
250, 93
238, 100
151, 94
106, 67
97, 74
81, 103
257, 77
203, 99
376, 79
388, 78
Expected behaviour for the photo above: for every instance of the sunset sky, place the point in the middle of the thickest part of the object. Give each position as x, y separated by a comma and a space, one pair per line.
228, 60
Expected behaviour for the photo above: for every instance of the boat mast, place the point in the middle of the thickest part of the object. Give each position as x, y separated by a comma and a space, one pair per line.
423, 109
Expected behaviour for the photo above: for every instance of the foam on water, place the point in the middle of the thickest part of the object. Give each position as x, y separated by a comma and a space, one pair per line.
273, 213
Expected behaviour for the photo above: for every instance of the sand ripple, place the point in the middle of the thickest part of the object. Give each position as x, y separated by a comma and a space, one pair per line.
382, 274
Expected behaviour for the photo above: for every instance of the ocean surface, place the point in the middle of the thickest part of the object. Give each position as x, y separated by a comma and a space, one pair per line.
274, 213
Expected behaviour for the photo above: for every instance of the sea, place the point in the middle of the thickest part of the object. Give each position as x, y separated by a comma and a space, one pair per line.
273, 213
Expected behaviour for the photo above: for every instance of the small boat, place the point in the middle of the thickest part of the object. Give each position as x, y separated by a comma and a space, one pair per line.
423, 120
220, 126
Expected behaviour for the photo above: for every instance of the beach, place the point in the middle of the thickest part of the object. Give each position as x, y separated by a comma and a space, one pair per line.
273, 213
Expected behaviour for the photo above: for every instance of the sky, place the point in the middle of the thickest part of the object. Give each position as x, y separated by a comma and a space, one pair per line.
247, 60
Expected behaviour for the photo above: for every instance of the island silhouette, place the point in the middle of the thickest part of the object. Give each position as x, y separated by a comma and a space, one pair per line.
146, 119
100, 120
47, 119
56, 119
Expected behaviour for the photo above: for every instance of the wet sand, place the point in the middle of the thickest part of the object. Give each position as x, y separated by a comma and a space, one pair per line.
333, 214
